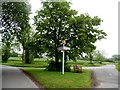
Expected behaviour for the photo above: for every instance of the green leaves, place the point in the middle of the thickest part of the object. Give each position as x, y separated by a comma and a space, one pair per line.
98, 55
15, 15
15, 20
96, 21
56, 21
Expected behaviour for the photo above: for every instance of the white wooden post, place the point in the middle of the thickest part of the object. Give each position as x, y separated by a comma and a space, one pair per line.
63, 62
63, 48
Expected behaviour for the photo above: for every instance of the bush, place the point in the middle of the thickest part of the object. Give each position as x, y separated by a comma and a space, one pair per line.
118, 66
57, 67
67, 68
5, 54
4, 59
13, 54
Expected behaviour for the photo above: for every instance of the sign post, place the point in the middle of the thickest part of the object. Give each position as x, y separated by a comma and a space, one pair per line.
63, 62
63, 48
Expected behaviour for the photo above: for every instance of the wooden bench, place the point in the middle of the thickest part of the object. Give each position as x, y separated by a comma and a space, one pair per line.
77, 69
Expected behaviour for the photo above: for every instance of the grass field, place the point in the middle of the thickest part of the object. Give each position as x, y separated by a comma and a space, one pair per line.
118, 66
42, 62
86, 63
17, 61
57, 80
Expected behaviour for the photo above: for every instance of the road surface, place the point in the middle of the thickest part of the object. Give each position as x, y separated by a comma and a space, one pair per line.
12, 77
107, 76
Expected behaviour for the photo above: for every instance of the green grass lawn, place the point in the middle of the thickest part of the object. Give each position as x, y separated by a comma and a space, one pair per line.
42, 62
118, 66
57, 80
17, 61
86, 63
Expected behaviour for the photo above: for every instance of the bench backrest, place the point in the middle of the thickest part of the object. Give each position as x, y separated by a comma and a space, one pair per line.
75, 66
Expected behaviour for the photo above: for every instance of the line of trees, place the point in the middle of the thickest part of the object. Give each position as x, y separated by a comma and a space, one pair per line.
54, 22
116, 57
15, 20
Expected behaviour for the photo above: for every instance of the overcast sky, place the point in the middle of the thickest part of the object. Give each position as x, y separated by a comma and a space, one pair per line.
107, 10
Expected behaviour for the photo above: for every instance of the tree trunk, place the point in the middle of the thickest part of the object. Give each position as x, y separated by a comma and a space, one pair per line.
91, 57
27, 60
23, 56
31, 56
56, 50
56, 57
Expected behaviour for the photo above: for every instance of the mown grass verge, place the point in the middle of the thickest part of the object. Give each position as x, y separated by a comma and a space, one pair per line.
17, 62
43, 63
57, 80
118, 66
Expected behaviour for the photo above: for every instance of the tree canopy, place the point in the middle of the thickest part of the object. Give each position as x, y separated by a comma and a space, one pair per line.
15, 20
99, 55
116, 57
56, 21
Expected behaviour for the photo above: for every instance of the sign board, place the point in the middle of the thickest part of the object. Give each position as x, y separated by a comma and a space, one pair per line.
63, 48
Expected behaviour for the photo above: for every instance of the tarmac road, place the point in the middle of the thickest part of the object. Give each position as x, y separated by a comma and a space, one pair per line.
12, 77
107, 76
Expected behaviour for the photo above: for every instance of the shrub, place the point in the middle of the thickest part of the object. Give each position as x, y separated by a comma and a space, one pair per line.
57, 67
13, 54
5, 54
118, 66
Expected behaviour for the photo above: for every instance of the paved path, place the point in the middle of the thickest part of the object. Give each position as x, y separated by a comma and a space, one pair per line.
107, 76
12, 77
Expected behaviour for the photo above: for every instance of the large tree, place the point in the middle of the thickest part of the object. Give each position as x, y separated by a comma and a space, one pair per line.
15, 20
6, 32
99, 55
56, 21
116, 57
